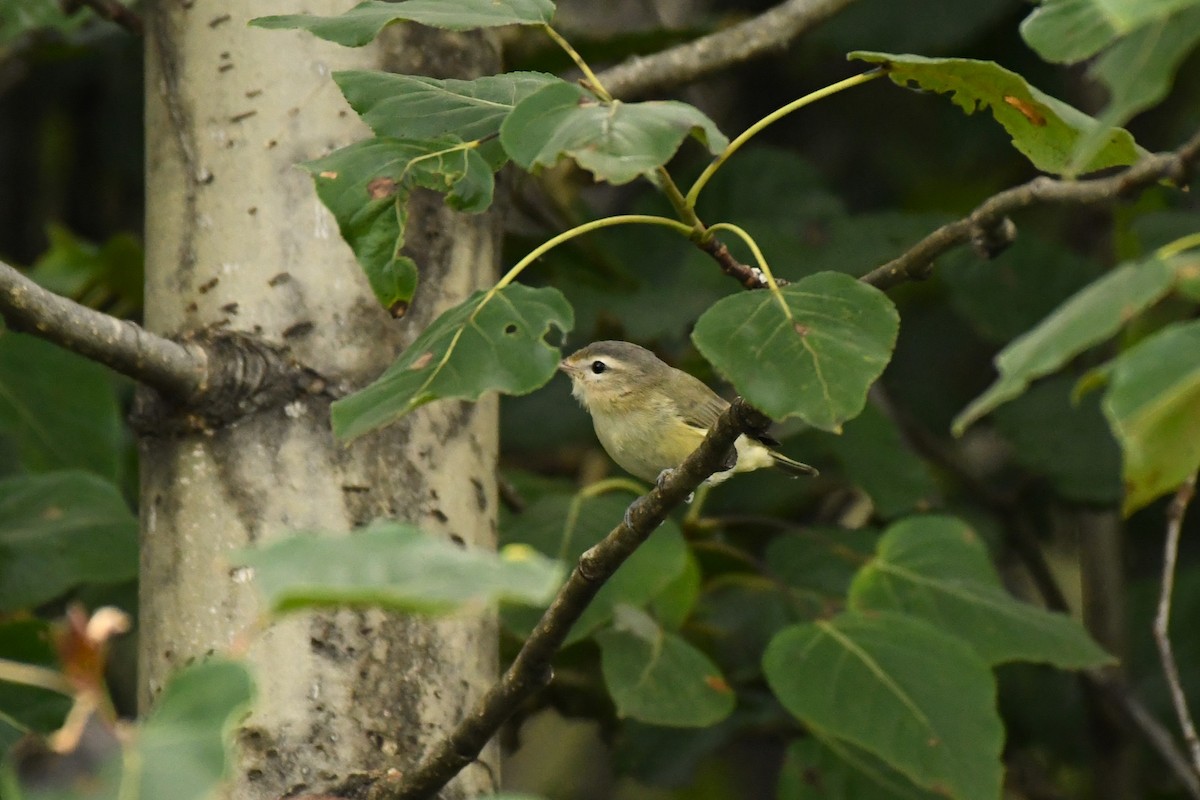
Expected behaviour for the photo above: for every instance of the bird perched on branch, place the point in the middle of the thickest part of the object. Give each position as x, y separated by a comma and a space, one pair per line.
650, 416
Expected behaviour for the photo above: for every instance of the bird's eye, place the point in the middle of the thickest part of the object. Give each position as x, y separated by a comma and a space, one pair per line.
598, 367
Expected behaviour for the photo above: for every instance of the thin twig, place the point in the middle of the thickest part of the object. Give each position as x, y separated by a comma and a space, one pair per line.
1162, 619
177, 370
991, 215
771, 30
110, 10
531, 670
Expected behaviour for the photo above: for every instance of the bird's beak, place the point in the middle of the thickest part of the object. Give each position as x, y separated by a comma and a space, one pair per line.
565, 366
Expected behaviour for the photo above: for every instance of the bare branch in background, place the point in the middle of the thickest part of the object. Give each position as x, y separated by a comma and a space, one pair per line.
990, 220
1162, 619
177, 370
771, 30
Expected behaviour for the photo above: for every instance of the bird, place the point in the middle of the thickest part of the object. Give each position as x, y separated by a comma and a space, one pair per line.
650, 416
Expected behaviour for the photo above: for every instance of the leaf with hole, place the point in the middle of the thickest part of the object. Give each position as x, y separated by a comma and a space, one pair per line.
58, 530
492, 341
396, 566
361, 24
936, 568
615, 141
366, 185
811, 351
1088, 318
1044, 129
657, 677
844, 675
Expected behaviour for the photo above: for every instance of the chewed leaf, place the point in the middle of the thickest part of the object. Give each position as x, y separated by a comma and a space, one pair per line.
361, 24
396, 566
616, 142
1044, 129
366, 186
814, 356
491, 341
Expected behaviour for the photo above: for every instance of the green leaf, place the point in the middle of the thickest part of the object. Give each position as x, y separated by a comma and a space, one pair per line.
181, 748
937, 569
1045, 130
108, 276
814, 356
616, 142
59, 530
361, 24
562, 527
366, 185
737, 616
491, 341
1153, 406
416, 107
1067, 31
1138, 71
877, 460
658, 678
52, 428
1069, 443
871, 681
1088, 318
828, 769
396, 566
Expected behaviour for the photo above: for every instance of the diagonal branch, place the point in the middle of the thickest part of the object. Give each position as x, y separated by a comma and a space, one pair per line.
177, 370
531, 669
989, 221
1162, 619
771, 30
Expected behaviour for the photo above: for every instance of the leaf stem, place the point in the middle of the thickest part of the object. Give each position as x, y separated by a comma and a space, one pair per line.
758, 257
774, 116
579, 230
590, 76
1178, 246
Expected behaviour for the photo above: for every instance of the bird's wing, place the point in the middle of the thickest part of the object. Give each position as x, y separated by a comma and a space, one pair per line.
704, 415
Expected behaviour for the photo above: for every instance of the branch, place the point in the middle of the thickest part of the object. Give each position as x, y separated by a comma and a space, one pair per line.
111, 10
531, 669
988, 225
1162, 619
771, 30
176, 370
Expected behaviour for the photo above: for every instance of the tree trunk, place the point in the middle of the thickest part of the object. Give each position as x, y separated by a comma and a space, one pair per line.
236, 239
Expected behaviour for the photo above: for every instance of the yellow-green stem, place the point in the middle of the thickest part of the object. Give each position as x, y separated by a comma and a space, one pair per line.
758, 257
586, 493
592, 80
1178, 246
774, 116
579, 230
678, 201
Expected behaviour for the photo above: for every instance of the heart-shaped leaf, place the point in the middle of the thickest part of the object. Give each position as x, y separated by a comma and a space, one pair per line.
658, 678
842, 676
615, 141
361, 24
493, 340
811, 351
938, 569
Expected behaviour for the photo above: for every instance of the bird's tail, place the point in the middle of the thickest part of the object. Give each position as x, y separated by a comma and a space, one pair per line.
792, 467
